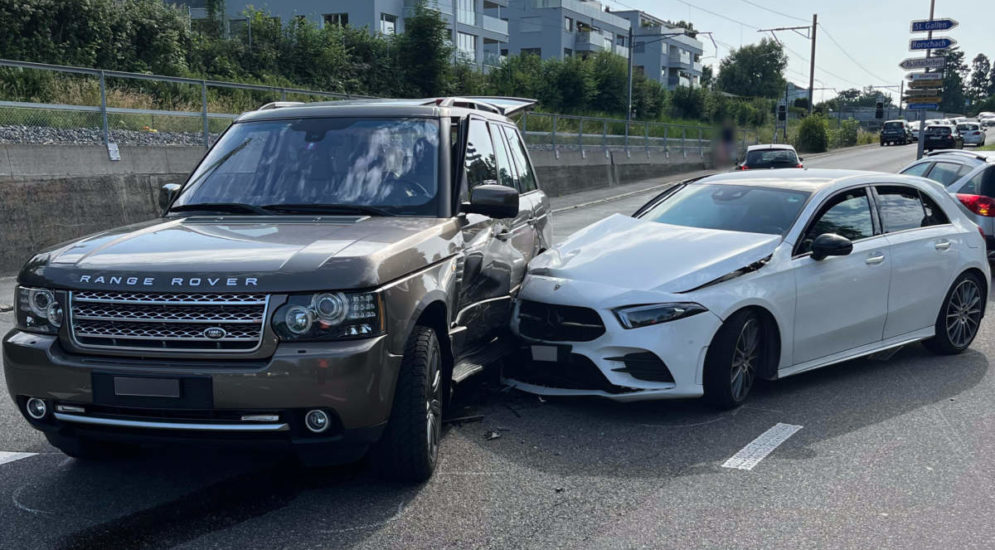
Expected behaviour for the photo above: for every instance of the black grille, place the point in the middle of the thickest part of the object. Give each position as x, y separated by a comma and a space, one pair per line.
555, 323
644, 366
576, 373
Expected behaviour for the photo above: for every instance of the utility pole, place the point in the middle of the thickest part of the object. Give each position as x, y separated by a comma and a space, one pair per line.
811, 64
901, 93
628, 111
922, 112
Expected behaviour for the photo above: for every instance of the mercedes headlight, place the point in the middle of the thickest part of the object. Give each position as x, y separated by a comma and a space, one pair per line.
654, 314
329, 316
39, 310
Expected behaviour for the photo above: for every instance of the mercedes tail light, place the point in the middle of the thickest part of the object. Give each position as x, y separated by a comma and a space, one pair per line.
979, 204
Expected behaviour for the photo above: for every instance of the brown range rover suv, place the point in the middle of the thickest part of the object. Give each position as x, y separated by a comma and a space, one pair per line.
320, 282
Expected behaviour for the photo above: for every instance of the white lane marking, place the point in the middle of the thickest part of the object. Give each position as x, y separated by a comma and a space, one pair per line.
6, 457
758, 449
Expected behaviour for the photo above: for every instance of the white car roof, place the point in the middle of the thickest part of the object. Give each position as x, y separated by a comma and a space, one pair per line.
770, 147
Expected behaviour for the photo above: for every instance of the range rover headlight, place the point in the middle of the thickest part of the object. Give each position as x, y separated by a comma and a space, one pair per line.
329, 316
654, 314
38, 310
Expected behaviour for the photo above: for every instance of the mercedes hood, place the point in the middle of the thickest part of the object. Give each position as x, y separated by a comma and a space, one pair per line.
246, 253
631, 253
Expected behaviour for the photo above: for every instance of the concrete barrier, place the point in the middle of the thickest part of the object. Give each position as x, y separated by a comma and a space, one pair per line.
55, 193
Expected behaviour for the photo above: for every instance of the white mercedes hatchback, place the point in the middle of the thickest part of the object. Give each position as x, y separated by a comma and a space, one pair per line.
722, 280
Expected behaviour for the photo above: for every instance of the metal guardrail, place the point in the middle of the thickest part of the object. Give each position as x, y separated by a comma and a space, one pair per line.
104, 110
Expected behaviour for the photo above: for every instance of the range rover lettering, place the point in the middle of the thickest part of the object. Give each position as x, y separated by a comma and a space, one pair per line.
320, 282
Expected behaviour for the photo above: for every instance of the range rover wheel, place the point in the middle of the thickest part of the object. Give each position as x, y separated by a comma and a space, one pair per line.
409, 448
960, 316
734, 359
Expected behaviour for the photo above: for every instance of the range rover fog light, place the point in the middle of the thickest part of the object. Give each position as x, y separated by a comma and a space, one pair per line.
299, 320
36, 408
316, 420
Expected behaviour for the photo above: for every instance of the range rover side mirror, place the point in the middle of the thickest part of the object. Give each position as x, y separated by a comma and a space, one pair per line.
167, 193
830, 244
490, 199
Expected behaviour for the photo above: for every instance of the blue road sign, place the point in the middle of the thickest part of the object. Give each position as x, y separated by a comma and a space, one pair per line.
931, 43
925, 25
927, 106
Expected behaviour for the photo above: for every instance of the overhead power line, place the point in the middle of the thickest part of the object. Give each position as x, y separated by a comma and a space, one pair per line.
846, 53
782, 14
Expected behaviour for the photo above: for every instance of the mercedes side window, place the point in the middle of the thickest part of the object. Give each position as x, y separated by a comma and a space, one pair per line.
917, 169
505, 170
847, 214
481, 165
900, 208
934, 214
526, 174
944, 172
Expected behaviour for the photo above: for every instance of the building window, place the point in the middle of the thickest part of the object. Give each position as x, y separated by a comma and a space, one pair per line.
467, 46
567, 52
607, 43
620, 39
388, 23
340, 19
532, 51
568, 24
504, 52
465, 12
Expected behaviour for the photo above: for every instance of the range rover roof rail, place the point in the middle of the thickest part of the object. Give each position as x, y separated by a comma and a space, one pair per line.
278, 104
978, 156
501, 105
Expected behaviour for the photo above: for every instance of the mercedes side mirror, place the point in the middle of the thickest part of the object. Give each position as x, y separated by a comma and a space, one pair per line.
490, 199
830, 244
167, 193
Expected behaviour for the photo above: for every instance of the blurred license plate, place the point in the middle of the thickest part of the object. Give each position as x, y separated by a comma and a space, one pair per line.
550, 354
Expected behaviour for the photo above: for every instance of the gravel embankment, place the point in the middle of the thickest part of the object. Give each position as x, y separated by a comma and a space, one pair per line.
85, 136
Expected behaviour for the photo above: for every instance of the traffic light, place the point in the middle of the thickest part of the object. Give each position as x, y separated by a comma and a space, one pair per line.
781, 114
879, 110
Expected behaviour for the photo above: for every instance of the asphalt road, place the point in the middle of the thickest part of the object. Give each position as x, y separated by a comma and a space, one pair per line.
890, 454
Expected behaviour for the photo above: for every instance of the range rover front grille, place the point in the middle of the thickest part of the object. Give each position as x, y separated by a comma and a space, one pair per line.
164, 321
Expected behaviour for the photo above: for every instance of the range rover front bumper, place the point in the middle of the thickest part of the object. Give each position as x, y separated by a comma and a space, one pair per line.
256, 402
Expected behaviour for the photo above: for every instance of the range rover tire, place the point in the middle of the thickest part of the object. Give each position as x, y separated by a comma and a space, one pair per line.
960, 316
409, 448
735, 359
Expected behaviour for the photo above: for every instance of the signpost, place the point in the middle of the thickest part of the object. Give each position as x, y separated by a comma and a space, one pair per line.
922, 99
923, 107
936, 75
931, 43
928, 25
923, 63
917, 84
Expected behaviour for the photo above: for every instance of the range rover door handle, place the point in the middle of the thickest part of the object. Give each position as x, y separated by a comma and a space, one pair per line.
942, 245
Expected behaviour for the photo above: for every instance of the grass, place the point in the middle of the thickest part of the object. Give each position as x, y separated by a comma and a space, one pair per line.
989, 147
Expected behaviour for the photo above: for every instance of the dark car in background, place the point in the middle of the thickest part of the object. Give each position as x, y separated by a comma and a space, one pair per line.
768, 156
895, 132
942, 136
318, 284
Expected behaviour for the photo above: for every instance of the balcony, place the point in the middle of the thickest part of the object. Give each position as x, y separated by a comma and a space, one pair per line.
588, 41
493, 24
445, 7
584, 8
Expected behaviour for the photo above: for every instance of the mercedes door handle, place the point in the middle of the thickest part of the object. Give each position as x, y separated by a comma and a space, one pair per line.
503, 235
942, 245
874, 260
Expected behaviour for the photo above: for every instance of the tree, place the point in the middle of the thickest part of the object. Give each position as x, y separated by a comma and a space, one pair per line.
424, 53
953, 97
756, 70
980, 86
707, 77
686, 25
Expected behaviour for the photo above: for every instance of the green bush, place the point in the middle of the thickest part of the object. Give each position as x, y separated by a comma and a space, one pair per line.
813, 135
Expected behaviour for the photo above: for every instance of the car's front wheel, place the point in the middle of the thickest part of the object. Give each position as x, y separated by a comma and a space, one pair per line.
409, 448
734, 359
960, 316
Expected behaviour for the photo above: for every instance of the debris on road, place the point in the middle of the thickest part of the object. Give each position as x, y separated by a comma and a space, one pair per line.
492, 435
464, 419
4, 308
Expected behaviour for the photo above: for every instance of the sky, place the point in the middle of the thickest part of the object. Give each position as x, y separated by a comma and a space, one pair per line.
873, 35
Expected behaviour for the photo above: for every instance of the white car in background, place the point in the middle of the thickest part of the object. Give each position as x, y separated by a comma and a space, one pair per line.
733, 277
972, 132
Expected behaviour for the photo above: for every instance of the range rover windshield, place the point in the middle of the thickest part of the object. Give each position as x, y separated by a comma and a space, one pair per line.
320, 165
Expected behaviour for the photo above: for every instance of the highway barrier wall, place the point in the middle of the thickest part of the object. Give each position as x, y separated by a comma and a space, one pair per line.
55, 193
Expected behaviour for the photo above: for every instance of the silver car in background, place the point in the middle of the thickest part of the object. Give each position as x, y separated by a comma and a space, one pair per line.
973, 132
